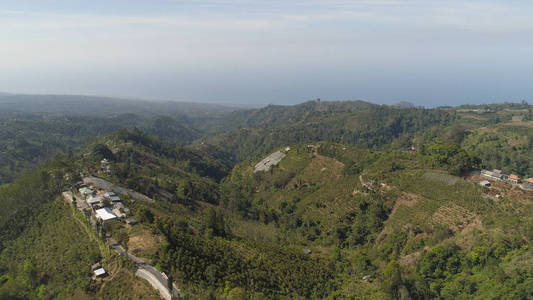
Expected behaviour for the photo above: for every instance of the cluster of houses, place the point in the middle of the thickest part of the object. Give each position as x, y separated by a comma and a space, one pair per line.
106, 205
498, 175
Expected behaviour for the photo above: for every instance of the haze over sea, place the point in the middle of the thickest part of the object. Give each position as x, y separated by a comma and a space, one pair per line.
239, 51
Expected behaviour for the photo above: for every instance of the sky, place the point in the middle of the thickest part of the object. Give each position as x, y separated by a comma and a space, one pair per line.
278, 51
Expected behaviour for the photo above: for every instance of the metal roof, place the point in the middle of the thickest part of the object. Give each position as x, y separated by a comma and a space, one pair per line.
99, 272
105, 214
93, 200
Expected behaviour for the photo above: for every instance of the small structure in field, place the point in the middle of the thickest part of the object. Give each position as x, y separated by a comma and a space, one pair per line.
484, 183
96, 266
412, 150
99, 273
370, 186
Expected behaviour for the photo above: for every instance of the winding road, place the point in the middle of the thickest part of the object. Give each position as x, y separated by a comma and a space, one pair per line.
146, 271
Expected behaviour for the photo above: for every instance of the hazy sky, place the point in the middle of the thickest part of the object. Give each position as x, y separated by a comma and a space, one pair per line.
276, 51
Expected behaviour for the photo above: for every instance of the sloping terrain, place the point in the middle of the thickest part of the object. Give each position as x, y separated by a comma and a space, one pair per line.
398, 215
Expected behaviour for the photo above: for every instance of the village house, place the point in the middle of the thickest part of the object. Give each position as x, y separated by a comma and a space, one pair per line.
412, 150
514, 179
112, 196
105, 214
528, 183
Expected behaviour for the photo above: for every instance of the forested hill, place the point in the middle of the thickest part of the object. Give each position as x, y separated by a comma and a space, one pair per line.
274, 115
29, 137
352, 123
329, 221
27, 140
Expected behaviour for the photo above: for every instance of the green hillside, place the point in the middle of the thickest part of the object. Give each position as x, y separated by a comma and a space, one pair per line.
399, 220
352, 123
366, 202
421, 232
47, 248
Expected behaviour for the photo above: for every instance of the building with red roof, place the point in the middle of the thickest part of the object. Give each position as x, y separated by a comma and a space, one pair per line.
514, 179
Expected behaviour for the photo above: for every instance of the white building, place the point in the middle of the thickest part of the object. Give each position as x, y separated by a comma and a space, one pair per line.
105, 214
99, 272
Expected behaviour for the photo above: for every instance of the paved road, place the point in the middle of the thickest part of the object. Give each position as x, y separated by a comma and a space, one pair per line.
157, 279
148, 276
106, 185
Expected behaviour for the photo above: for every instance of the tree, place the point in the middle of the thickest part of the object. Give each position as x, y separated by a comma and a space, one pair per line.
215, 222
169, 282
145, 215
237, 294
101, 151
123, 238
392, 277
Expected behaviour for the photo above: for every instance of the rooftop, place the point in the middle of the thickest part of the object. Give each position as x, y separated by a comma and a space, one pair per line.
86, 190
99, 272
93, 200
105, 214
